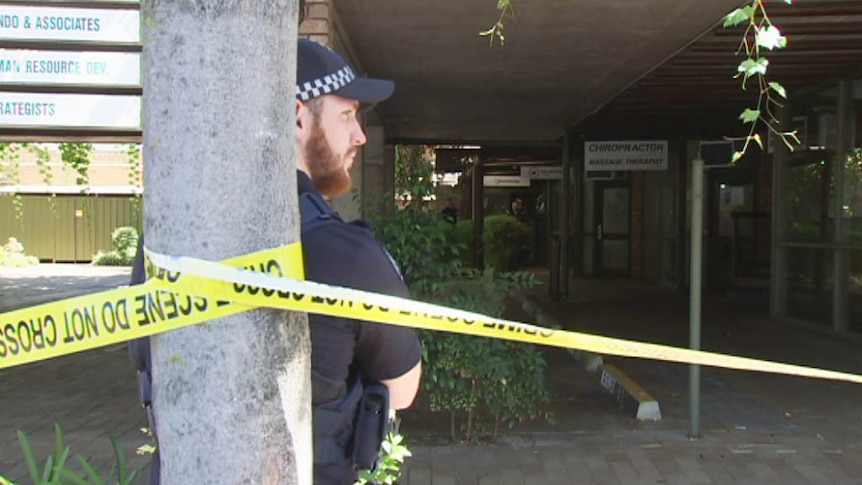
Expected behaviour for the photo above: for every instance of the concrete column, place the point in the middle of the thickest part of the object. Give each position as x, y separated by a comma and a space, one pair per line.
232, 397
841, 259
778, 260
478, 215
576, 153
637, 227
374, 188
389, 176
566, 216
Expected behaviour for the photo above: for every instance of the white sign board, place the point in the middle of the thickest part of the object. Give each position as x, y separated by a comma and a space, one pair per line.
75, 24
505, 181
542, 173
625, 155
70, 110
62, 67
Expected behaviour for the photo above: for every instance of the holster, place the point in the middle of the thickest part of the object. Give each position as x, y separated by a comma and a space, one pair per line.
371, 425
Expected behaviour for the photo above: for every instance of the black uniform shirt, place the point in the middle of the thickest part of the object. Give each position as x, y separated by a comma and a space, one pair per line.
348, 255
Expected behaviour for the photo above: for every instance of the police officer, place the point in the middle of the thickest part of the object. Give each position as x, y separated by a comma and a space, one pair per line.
352, 361
345, 353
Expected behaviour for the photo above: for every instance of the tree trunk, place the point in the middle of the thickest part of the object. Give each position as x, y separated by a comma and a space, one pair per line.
232, 397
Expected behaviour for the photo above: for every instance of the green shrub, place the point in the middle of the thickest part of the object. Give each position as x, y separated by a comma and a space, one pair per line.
460, 237
12, 255
417, 241
506, 242
125, 245
481, 382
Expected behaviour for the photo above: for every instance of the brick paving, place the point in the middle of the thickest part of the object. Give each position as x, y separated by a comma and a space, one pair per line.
756, 428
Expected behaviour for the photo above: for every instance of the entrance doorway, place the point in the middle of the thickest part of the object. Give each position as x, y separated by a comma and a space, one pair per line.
613, 229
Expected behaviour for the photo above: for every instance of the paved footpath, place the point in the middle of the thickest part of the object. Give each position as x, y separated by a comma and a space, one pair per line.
757, 429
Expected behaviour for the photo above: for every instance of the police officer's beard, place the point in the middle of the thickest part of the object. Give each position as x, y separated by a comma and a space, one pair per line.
327, 170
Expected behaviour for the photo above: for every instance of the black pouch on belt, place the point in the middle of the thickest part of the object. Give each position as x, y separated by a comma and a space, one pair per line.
371, 425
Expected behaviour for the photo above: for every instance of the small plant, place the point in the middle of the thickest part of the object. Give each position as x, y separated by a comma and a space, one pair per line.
55, 471
125, 245
12, 255
392, 456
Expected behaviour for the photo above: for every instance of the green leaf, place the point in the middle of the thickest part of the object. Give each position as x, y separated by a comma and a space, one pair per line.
28, 457
749, 115
746, 66
778, 88
94, 477
121, 461
752, 67
738, 16
736, 156
46, 473
74, 478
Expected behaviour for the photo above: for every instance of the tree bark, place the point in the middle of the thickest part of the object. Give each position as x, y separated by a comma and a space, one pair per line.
232, 397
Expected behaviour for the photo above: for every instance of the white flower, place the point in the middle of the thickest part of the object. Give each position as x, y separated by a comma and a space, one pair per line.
770, 38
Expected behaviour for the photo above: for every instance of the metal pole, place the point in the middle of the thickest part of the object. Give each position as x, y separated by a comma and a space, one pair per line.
695, 290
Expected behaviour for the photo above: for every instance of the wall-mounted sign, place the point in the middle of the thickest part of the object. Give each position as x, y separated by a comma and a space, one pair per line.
70, 110
542, 172
64, 67
505, 181
75, 24
625, 155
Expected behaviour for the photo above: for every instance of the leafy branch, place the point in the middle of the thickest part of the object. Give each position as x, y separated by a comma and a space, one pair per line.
77, 156
43, 159
760, 36
496, 30
133, 158
10, 172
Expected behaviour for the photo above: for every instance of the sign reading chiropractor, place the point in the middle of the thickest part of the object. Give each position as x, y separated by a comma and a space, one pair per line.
71, 67
625, 155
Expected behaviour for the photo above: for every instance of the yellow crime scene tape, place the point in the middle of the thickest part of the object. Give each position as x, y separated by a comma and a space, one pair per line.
109, 317
183, 291
185, 275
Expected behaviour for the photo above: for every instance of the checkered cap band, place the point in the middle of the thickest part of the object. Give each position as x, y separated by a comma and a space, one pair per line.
326, 84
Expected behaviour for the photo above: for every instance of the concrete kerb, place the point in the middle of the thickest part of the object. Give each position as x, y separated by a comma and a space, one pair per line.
631, 397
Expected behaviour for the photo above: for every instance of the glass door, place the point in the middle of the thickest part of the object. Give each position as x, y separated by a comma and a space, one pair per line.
613, 229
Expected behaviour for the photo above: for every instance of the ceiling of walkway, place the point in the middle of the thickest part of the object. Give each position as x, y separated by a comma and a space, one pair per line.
613, 63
